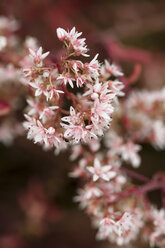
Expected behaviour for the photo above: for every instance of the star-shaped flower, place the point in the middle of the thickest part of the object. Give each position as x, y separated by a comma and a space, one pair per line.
105, 172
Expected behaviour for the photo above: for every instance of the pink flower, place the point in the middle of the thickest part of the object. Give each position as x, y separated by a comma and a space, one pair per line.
93, 67
117, 87
100, 91
76, 130
77, 172
77, 150
73, 34
81, 197
76, 133
80, 80
110, 70
129, 153
51, 139
125, 223
52, 92
76, 43
74, 118
93, 192
34, 107
159, 219
79, 46
47, 113
61, 34
39, 86
37, 56
101, 111
37, 132
157, 236
99, 171
77, 65
66, 78
106, 228
35, 129
114, 142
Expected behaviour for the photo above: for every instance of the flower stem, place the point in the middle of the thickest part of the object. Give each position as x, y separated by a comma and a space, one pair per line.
135, 175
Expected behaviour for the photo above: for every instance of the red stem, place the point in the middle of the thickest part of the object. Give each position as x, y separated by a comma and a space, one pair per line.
151, 186
140, 190
135, 175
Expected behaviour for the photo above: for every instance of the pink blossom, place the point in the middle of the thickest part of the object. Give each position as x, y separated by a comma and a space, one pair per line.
74, 118
76, 152
34, 107
66, 78
117, 87
93, 192
99, 171
36, 131
93, 67
75, 130
129, 153
38, 56
77, 172
100, 91
52, 92
110, 69
77, 133
47, 112
39, 86
114, 142
77, 65
101, 111
61, 34
125, 223
159, 220
106, 228
80, 80
76, 43
81, 198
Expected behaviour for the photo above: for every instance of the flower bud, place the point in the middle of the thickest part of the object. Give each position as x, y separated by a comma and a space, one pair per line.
61, 34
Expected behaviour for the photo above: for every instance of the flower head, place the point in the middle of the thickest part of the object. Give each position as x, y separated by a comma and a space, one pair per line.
38, 56
105, 172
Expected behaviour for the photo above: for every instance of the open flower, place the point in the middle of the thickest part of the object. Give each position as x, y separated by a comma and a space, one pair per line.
105, 172
38, 56
66, 79
129, 153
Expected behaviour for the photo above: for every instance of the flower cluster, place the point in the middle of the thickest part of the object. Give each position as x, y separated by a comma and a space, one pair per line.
144, 116
109, 196
50, 121
72, 41
158, 232
77, 103
118, 208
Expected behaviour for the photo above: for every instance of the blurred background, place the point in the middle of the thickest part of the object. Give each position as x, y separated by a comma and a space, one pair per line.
36, 195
